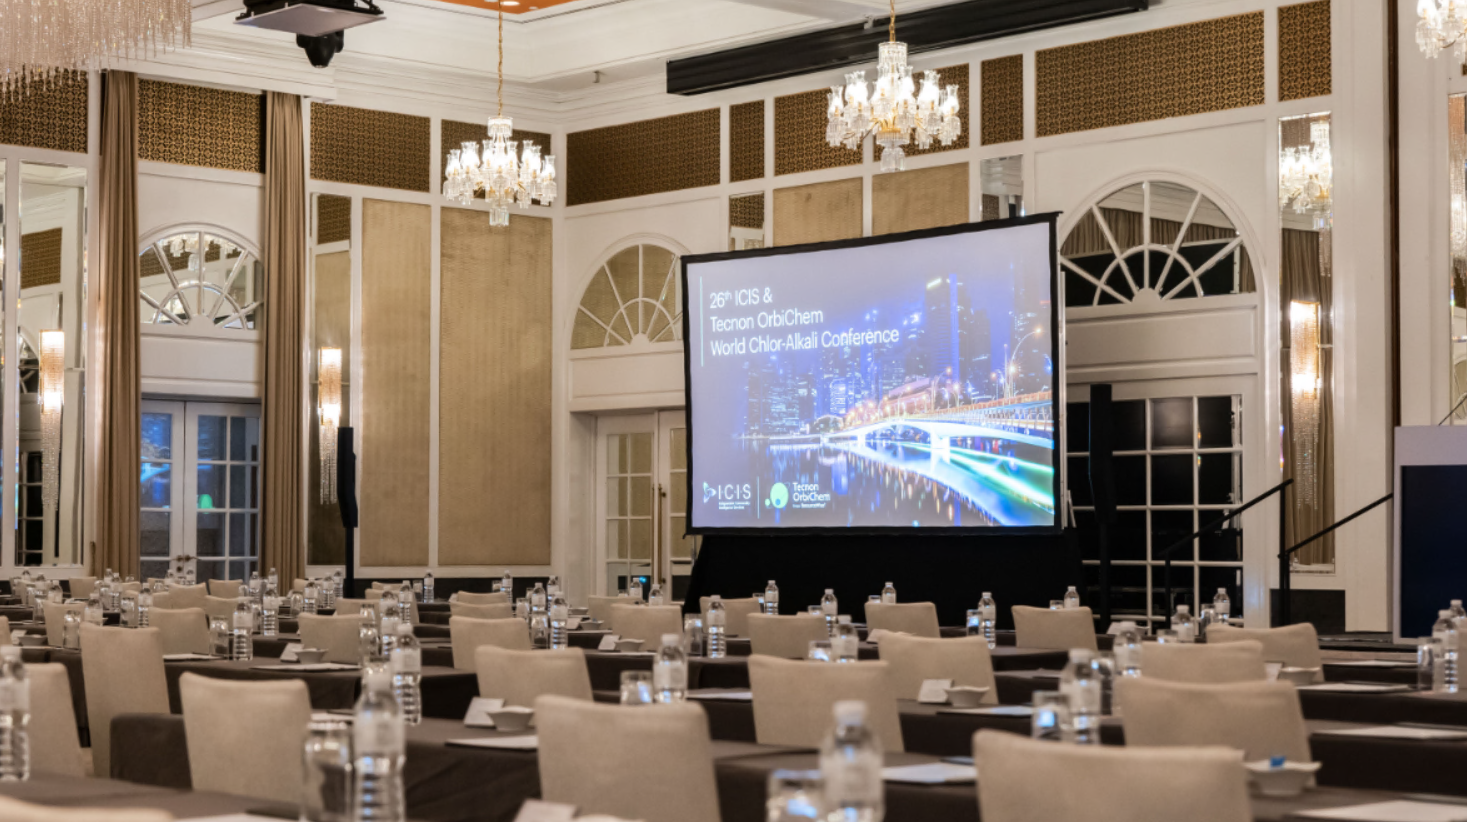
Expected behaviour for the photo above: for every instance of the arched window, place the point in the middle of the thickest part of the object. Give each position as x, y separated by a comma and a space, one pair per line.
199, 279
635, 295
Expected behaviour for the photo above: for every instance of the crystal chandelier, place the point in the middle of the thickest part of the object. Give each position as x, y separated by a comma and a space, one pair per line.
182, 244
1441, 27
1306, 176
53, 394
495, 170
328, 389
890, 110
1304, 384
40, 38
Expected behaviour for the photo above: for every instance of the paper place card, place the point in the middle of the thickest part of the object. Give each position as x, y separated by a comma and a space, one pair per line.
508, 743
478, 715
332, 716
1368, 663
187, 657
1400, 732
1271, 670
934, 691
1400, 810
16, 635
608, 642
1355, 688
992, 710
536, 810
312, 668
571, 624
934, 773
292, 652
719, 693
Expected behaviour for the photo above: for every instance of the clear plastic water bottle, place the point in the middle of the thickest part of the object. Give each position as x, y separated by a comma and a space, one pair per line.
1445, 676
654, 595
15, 716
145, 608
538, 597
717, 628
771, 598
850, 767
273, 579
94, 613
378, 751
830, 609
552, 585
845, 645
241, 647
670, 670
1184, 625
988, 613
427, 586
1222, 605
256, 585
129, 609
1081, 682
634, 589
1072, 598
559, 622
506, 583
387, 626
55, 594
369, 643
338, 581
1127, 650
407, 674
310, 597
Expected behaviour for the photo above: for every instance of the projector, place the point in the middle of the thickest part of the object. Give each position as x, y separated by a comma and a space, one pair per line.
318, 25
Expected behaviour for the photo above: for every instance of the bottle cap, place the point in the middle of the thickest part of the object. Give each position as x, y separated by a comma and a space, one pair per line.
1183, 609
850, 711
986, 595
1080, 655
843, 619
1223, 591
672, 639
830, 590
715, 598
771, 582
1444, 614
404, 629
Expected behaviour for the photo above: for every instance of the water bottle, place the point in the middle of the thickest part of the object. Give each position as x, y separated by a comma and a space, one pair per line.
378, 750
850, 767
988, 613
337, 582
693, 635
407, 674
845, 644
15, 715
129, 609
256, 585
1445, 677
717, 628
1222, 605
1127, 650
427, 586
329, 590
559, 622
634, 589
654, 595
270, 613
1184, 625
1080, 681
55, 594
771, 599
241, 647
537, 597
830, 609
1458, 612
94, 613
145, 608
369, 643
309, 597
506, 584
670, 671
1072, 598
552, 585
888, 594
273, 579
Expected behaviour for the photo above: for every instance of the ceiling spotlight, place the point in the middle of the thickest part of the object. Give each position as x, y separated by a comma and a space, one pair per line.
509, 2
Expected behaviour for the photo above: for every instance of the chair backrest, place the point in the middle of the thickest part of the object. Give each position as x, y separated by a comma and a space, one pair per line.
495, 598
187, 596
646, 622
245, 737
183, 630
227, 588
338, 636
1210, 663
467, 634
162, 601
1025, 780
785, 636
1294, 645
1059, 630
375, 592
964, 660
14, 810
81, 587
377, 586
122, 673
346, 606
5, 631
735, 613
494, 610
794, 701
1261, 719
220, 606
599, 608
55, 619
652, 765
55, 749
521, 677
915, 618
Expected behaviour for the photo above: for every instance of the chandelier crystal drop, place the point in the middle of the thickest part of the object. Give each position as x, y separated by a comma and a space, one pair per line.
53, 397
892, 108
41, 38
1306, 176
1441, 26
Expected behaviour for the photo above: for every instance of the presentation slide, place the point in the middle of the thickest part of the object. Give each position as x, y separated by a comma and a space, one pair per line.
890, 384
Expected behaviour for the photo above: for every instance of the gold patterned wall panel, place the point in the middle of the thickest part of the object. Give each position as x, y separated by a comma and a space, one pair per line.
647, 157
198, 126
921, 198
333, 218
1304, 50
1002, 95
1172, 72
47, 114
494, 373
331, 325
817, 212
990, 205
951, 76
396, 342
453, 134
40, 258
370, 148
746, 141
799, 135
746, 211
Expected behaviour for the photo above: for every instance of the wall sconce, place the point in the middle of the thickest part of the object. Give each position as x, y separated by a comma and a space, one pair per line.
1304, 384
328, 388
53, 395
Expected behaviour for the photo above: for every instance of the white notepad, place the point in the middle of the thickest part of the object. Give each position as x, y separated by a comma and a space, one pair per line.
933, 773
1368, 663
186, 657
1400, 810
510, 743
313, 667
1355, 688
733, 696
992, 710
1401, 732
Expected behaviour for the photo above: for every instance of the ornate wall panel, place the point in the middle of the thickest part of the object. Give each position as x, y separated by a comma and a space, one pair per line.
951, 76
921, 198
799, 135
198, 126
746, 141
1304, 50
40, 258
1172, 72
1002, 96
370, 148
990, 204
47, 114
333, 218
453, 134
494, 378
396, 340
647, 157
326, 542
817, 212
746, 212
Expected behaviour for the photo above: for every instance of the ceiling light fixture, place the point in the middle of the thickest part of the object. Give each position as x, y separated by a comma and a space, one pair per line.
1306, 175
1441, 27
890, 109
495, 171
38, 39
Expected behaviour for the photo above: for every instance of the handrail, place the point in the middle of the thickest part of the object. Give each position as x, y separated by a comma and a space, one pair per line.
1353, 516
1277, 489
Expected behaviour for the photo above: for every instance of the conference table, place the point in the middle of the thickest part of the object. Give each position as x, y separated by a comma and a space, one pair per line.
114, 794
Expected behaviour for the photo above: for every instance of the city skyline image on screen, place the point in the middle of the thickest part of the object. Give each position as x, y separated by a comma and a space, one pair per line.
890, 384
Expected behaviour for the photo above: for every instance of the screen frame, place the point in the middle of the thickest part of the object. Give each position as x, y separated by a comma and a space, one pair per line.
1057, 400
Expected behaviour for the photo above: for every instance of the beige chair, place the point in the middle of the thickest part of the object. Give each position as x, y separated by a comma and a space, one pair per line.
375, 595
794, 701
187, 596
55, 750
494, 610
1261, 719
598, 608
81, 587
183, 630
1297, 646
298, 584
471, 598
122, 673
1060, 630
1208, 664
467, 634
1026, 780
654, 765
13, 810
5, 631
352, 607
521, 677
964, 660
785, 636
338, 636
226, 588
245, 737
646, 622
163, 602
735, 613
56, 620
915, 618
220, 606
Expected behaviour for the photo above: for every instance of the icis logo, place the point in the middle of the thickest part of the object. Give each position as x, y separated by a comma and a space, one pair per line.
779, 496
727, 491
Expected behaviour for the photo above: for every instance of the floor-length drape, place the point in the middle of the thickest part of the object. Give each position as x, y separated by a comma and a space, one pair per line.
281, 530
1302, 280
116, 543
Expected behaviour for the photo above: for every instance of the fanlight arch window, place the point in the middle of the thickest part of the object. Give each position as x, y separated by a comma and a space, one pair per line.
635, 296
1150, 242
199, 279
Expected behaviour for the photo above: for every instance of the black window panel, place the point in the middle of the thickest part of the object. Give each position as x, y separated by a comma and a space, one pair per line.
1086, 535
1079, 291
1212, 579
33, 535
1220, 278
1174, 275
1214, 422
1130, 480
1215, 478
1080, 481
1127, 589
1183, 580
1223, 545
1118, 279
1107, 299
1130, 425
1171, 479
1077, 427
1128, 537
1171, 423
1166, 528
33, 501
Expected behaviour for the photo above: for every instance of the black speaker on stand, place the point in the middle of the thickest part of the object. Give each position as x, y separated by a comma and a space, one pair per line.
1103, 486
346, 497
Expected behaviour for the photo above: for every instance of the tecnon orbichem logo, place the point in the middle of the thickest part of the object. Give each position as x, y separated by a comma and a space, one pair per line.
779, 496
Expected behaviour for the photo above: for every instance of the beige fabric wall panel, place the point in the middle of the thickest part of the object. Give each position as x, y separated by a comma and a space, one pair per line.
817, 212
494, 378
924, 198
396, 338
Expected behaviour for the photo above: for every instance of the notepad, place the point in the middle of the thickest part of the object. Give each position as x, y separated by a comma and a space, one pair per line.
509, 743
733, 696
992, 710
314, 667
932, 773
1355, 688
1400, 732
187, 657
291, 652
1400, 810
1368, 663
478, 713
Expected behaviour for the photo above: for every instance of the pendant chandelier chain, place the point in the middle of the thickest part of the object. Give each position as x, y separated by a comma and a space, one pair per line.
499, 94
891, 23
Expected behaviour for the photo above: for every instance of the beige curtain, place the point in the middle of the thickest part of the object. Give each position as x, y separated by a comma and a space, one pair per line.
118, 455
282, 543
1302, 281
